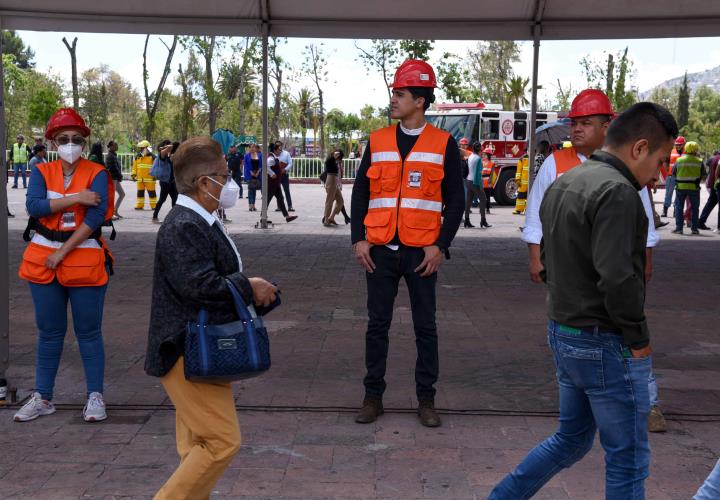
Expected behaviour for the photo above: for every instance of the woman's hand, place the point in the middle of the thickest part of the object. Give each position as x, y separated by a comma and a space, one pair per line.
263, 291
54, 259
88, 198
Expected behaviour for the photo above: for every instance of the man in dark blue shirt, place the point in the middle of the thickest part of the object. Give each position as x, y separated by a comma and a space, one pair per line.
235, 165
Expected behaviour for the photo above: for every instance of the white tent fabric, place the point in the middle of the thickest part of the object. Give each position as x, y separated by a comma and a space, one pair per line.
458, 20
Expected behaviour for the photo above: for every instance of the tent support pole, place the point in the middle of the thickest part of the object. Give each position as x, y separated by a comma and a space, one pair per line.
265, 140
4, 258
532, 146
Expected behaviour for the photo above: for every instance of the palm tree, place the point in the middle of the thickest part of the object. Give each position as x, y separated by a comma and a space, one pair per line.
516, 89
305, 101
235, 83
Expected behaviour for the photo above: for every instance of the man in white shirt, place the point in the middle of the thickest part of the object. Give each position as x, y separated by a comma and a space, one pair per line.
286, 164
590, 114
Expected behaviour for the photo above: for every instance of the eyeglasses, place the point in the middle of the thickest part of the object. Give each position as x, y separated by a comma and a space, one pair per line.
76, 139
227, 176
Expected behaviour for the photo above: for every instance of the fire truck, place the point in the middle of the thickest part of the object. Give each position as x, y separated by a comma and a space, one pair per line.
505, 132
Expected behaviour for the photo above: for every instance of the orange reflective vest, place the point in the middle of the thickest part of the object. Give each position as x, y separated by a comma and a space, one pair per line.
565, 159
406, 196
487, 173
86, 264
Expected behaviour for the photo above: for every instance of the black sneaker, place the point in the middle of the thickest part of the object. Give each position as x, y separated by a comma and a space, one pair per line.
291, 209
703, 227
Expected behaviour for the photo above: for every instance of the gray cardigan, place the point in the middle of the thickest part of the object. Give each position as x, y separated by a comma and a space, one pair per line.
192, 260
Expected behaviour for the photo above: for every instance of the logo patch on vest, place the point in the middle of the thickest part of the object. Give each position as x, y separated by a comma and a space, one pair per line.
414, 179
68, 220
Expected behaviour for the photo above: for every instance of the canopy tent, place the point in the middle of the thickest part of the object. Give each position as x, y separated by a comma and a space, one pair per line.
460, 20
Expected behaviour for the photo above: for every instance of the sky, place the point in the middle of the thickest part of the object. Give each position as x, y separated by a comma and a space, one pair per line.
350, 86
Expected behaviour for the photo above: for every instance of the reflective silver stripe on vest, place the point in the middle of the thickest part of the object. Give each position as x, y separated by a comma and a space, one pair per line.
433, 206
687, 179
385, 156
43, 241
382, 203
53, 195
425, 157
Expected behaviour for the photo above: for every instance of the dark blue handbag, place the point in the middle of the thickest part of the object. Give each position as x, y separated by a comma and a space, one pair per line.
227, 352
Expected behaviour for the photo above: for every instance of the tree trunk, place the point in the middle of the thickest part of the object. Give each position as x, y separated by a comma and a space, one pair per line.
241, 107
322, 124
186, 106
274, 126
73, 60
152, 101
210, 86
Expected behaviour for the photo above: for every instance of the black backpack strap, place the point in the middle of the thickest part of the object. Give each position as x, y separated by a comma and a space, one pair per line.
32, 225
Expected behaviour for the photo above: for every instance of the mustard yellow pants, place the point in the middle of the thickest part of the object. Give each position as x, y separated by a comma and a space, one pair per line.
152, 194
207, 433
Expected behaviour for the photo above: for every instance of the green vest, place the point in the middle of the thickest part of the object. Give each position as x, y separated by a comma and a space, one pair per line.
688, 172
20, 153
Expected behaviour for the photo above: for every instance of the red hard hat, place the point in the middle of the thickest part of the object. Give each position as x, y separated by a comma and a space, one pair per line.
414, 73
680, 141
64, 118
488, 150
591, 102
464, 141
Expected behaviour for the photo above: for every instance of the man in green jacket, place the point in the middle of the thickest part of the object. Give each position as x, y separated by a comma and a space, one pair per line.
19, 154
688, 172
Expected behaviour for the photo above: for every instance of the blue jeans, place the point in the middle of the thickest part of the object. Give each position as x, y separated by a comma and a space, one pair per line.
251, 195
653, 390
19, 168
599, 390
669, 189
87, 304
710, 490
694, 197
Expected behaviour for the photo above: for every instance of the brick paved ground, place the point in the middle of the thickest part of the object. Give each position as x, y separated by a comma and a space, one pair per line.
299, 437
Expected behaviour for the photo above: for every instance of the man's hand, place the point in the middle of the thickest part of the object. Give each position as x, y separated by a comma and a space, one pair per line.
263, 291
88, 198
431, 262
535, 266
362, 254
641, 353
134, 178
54, 259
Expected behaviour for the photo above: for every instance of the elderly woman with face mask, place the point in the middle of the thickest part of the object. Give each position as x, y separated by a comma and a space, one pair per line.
67, 259
194, 257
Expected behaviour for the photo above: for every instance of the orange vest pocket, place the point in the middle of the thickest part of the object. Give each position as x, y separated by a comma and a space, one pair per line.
419, 227
431, 180
83, 267
32, 267
378, 227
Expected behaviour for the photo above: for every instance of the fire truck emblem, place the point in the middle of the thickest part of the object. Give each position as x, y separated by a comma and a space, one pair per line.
414, 179
515, 150
490, 146
507, 127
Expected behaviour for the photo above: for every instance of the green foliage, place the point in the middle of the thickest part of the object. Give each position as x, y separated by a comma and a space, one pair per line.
341, 127
416, 49
13, 45
382, 57
516, 90
491, 68
704, 120
454, 79
613, 78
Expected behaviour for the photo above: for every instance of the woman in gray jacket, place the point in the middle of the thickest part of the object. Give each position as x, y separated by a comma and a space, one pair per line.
194, 256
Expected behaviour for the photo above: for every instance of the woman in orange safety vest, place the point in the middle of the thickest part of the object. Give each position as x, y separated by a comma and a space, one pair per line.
68, 200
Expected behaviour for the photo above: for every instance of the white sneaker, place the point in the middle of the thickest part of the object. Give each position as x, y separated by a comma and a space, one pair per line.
94, 410
34, 408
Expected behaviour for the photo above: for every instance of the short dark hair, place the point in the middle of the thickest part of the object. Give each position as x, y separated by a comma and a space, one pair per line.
38, 147
644, 120
426, 92
111, 143
477, 147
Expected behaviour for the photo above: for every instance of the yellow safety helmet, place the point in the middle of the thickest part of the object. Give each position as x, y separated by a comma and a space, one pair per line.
567, 145
692, 147
143, 144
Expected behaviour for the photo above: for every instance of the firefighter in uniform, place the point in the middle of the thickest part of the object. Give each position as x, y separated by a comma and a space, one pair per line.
407, 205
688, 173
590, 114
670, 178
522, 180
141, 174
68, 200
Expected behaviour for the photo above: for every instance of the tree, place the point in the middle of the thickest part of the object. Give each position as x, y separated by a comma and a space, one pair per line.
564, 96
666, 97
152, 100
305, 101
94, 93
13, 44
417, 49
189, 100
516, 89
683, 109
371, 119
73, 60
236, 79
491, 68
704, 119
611, 75
207, 47
275, 81
383, 56
315, 64
454, 77
341, 126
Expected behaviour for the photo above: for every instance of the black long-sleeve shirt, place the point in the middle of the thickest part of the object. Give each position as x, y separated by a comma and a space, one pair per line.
593, 248
453, 193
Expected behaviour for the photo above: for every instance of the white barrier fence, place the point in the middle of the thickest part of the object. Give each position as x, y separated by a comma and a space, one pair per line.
302, 168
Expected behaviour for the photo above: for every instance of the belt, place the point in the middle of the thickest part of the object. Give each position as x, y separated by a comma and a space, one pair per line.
588, 330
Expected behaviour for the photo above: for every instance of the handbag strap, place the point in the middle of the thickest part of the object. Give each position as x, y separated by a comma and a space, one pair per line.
240, 307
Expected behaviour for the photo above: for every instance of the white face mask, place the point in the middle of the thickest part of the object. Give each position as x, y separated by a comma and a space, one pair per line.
228, 195
70, 152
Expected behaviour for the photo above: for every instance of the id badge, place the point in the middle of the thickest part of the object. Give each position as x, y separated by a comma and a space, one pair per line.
414, 179
68, 220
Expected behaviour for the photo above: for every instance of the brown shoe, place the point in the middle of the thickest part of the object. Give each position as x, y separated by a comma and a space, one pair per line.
428, 415
656, 420
372, 408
